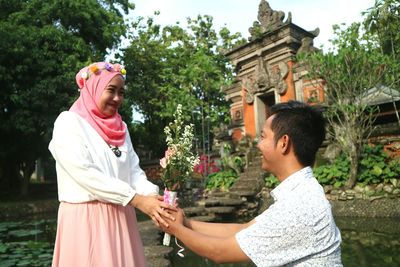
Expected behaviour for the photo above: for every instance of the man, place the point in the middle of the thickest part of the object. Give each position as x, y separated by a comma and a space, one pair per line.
298, 229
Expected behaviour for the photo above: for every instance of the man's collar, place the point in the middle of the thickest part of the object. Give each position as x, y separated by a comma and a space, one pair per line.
290, 183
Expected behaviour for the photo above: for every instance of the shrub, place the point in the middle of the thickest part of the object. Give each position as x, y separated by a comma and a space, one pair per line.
271, 181
221, 180
376, 166
335, 174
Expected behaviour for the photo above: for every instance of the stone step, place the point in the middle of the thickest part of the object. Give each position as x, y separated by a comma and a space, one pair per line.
254, 173
219, 194
245, 193
247, 177
156, 255
221, 210
256, 161
212, 202
204, 218
245, 187
246, 181
156, 251
249, 182
209, 202
159, 262
150, 238
189, 211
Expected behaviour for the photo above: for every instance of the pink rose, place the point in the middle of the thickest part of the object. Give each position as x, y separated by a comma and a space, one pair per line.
163, 163
169, 153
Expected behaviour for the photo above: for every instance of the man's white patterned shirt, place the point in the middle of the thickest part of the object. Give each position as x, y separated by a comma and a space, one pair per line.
297, 230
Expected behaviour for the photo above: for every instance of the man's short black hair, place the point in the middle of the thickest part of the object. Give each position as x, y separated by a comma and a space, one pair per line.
305, 126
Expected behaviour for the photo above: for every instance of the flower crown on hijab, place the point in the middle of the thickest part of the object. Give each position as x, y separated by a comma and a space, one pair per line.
96, 69
92, 80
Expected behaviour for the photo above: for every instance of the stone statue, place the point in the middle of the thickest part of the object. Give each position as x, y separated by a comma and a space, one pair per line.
247, 85
262, 77
265, 77
268, 20
261, 81
307, 45
278, 78
221, 132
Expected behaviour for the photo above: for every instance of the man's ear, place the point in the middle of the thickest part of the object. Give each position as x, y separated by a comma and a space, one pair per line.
284, 144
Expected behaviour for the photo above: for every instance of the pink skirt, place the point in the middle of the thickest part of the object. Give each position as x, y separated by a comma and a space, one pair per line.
97, 234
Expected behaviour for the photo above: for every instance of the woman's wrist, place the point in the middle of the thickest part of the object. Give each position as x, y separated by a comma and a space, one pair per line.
135, 200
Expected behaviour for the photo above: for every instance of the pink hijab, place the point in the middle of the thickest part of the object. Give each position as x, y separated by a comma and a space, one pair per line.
92, 81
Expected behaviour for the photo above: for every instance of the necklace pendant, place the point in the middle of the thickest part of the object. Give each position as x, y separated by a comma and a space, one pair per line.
116, 151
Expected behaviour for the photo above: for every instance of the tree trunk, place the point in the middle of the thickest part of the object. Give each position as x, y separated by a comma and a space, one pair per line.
27, 169
354, 161
9, 182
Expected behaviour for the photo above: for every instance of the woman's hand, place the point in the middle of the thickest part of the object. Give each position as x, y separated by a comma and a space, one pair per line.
154, 207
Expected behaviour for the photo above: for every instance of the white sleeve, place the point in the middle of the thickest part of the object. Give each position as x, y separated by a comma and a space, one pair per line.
76, 165
275, 241
138, 177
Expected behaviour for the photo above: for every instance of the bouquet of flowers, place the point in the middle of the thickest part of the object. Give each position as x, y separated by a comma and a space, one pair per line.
179, 159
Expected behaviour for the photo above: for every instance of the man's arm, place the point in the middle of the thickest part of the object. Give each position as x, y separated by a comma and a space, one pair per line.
216, 229
217, 249
215, 241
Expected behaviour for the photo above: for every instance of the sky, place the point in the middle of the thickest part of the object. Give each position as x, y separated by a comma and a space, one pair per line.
239, 15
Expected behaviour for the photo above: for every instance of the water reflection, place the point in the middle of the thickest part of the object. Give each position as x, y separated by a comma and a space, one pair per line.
193, 260
27, 242
370, 241
366, 242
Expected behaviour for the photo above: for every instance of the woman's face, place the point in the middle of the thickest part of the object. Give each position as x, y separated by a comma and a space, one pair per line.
112, 96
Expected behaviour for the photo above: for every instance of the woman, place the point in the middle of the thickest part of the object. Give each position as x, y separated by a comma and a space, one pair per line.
99, 178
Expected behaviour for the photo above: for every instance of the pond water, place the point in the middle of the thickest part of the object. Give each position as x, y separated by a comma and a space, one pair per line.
366, 242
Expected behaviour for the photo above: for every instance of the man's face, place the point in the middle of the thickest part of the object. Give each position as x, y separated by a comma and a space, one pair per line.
267, 146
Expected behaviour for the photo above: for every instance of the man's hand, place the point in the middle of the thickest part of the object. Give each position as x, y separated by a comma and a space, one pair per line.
173, 225
155, 208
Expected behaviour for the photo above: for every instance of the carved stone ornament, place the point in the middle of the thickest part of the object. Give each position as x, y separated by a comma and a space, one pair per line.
248, 87
265, 77
262, 81
278, 78
268, 20
307, 46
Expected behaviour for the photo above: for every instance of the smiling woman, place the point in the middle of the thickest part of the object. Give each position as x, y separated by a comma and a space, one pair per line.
99, 178
112, 96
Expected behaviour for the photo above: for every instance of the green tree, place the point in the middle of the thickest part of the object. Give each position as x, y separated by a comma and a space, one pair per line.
172, 65
350, 69
43, 44
383, 21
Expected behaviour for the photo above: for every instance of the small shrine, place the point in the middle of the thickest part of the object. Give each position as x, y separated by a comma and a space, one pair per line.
266, 71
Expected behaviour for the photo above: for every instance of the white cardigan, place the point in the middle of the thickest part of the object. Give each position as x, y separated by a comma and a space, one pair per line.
88, 170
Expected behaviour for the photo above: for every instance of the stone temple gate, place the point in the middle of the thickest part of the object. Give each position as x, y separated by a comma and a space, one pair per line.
266, 71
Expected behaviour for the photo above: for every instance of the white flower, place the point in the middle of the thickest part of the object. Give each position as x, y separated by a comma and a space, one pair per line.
179, 138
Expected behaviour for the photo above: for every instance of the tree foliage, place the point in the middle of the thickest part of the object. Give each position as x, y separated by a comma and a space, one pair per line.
350, 70
172, 65
43, 44
383, 22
